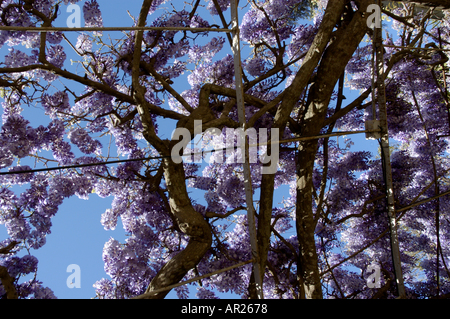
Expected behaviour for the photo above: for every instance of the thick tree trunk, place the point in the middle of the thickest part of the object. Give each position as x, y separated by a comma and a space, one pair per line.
185, 217
291, 96
263, 232
307, 267
347, 38
190, 222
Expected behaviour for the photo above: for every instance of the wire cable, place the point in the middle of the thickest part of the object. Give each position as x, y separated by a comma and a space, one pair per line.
89, 29
184, 155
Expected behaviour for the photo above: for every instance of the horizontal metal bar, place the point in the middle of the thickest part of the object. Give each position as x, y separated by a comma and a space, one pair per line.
184, 155
306, 138
421, 202
413, 48
89, 29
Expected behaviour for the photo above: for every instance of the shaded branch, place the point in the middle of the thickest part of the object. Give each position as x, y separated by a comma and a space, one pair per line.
8, 283
6, 250
212, 214
5, 278
95, 85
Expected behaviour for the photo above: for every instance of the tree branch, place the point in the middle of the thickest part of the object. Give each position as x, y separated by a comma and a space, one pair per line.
5, 278
6, 250
95, 85
231, 212
8, 283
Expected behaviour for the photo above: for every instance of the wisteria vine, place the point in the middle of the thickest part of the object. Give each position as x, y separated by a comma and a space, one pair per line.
116, 111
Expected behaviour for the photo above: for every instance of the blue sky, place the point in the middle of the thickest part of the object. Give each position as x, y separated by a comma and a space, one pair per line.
77, 235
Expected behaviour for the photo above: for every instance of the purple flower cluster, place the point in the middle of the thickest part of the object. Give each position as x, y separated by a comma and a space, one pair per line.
204, 54
223, 4
155, 5
18, 266
84, 141
218, 72
55, 104
56, 55
66, 2
17, 58
256, 28
84, 43
122, 264
256, 66
92, 15
348, 195
44, 6
16, 136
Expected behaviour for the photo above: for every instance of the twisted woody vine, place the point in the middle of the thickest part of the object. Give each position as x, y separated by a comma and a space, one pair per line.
322, 224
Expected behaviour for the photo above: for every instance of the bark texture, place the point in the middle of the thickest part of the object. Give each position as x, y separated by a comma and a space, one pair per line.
344, 42
191, 223
288, 102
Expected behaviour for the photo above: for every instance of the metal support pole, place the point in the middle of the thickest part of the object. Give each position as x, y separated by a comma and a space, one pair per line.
247, 173
384, 140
